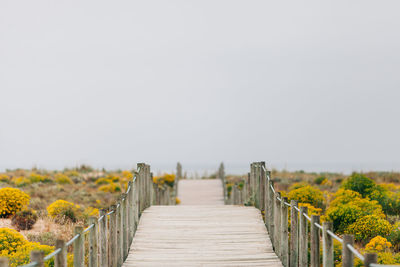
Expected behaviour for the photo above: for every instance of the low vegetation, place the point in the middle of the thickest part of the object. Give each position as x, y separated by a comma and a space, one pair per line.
366, 205
37, 207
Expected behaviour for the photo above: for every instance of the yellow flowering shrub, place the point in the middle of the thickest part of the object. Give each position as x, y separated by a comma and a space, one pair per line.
177, 201
369, 226
297, 185
103, 180
378, 244
347, 207
4, 178
61, 210
158, 180
22, 255
307, 194
110, 188
127, 174
12, 200
90, 211
311, 209
327, 183
37, 178
383, 258
168, 179
60, 178
10, 241
20, 181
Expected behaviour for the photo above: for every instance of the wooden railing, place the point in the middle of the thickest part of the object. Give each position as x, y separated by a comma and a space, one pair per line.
258, 190
110, 235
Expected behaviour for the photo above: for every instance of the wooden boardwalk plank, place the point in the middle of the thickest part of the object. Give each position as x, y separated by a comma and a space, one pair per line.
201, 192
206, 234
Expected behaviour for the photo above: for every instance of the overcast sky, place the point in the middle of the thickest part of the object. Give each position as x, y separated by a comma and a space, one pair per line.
311, 85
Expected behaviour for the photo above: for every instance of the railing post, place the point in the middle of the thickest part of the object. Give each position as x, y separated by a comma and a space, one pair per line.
284, 233
314, 241
156, 194
140, 179
235, 194
252, 183
248, 187
168, 195
277, 223
147, 187
103, 260
130, 218
303, 242
125, 230
79, 252
327, 245
370, 258
263, 180
37, 256
135, 203
347, 255
151, 189
93, 249
60, 260
272, 213
257, 185
113, 237
294, 234
120, 240
3, 262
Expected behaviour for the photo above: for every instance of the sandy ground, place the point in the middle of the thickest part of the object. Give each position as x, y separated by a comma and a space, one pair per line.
42, 226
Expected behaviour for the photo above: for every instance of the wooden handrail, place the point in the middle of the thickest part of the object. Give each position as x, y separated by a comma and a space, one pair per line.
261, 194
110, 235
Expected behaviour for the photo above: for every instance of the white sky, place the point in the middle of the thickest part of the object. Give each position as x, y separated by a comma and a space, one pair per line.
311, 85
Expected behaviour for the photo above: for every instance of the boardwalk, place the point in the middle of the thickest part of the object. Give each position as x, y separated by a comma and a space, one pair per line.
201, 232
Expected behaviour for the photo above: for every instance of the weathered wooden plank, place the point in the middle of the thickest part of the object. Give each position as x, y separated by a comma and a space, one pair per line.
201, 232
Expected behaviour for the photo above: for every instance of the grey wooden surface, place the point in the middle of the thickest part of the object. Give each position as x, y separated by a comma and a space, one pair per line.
201, 232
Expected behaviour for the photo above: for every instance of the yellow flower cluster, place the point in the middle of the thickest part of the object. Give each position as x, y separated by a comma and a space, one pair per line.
12, 200
10, 240
110, 188
307, 194
17, 249
20, 181
369, 226
168, 179
311, 209
90, 211
378, 244
60, 178
59, 207
103, 180
36, 178
127, 174
4, 178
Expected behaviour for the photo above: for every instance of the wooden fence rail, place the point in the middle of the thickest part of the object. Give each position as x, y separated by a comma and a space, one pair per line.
109, 237
292, 246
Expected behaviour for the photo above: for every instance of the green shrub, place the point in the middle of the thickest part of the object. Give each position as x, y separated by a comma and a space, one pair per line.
394, 237
319, 180
359, 183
